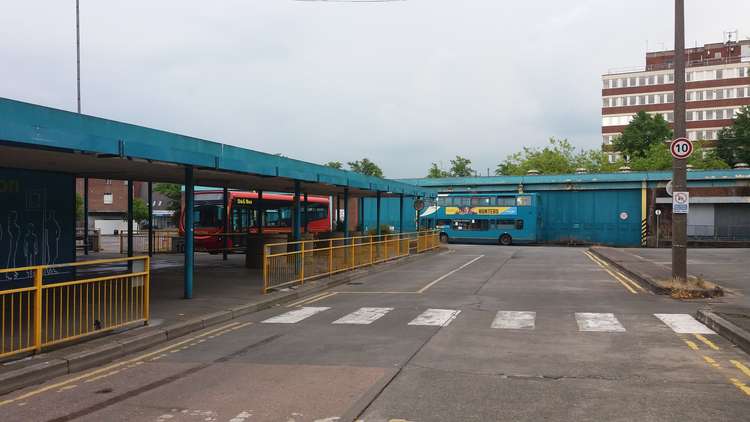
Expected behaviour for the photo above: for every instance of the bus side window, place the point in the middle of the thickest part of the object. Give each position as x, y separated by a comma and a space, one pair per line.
523, 201
519, 224
506, 201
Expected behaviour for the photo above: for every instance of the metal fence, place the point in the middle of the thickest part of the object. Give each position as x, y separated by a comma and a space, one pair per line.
167, 241
290, 263
51, 304
722, 233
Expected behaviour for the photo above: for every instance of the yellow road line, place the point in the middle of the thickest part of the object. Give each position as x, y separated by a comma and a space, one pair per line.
604, 266
320, 298
379, 293
691, 345
631, 281
711, 362
745, 370
707, 342
291, 305
737, 383
110, 367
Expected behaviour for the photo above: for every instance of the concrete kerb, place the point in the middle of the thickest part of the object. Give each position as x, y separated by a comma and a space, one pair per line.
725, 328
125, 343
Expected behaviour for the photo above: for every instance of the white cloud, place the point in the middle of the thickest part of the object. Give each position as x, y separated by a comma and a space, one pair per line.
403, 83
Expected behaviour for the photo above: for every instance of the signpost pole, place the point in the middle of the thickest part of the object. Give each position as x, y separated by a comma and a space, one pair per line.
679, 168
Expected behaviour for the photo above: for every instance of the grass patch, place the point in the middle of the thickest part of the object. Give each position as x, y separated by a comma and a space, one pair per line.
693, 288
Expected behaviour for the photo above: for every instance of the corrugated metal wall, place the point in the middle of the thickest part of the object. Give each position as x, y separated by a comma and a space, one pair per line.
592, 216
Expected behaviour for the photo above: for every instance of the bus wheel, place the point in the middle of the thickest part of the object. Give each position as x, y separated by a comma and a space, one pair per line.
506, 240
443, 238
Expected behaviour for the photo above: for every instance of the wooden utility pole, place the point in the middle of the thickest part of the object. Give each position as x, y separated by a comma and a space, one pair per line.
679, 166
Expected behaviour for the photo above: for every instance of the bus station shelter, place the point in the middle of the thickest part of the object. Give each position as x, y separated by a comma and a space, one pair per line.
43, 150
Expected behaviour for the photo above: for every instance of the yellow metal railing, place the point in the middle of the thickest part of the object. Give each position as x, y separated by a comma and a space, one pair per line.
289, 263
64, 302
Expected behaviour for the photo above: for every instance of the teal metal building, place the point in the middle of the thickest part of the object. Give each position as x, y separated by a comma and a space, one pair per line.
617, 208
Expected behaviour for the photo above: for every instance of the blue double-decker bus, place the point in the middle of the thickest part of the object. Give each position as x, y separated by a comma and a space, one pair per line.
487, 218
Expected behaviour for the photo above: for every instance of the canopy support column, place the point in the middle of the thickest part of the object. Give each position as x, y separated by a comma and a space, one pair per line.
297, 213
85, 215
225, 229
150, 219
377, 214
189, 225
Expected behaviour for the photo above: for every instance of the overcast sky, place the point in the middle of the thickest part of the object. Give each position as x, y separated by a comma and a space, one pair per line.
404, 83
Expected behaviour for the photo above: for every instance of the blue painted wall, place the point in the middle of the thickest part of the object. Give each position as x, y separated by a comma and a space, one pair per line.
592, 217
389, 208
37, 223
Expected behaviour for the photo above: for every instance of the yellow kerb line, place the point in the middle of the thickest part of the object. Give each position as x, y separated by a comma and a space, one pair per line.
691, 345
111, 367
604, 267
299, 302
320, 298
707, 342
737, 383
630, 281
745, 370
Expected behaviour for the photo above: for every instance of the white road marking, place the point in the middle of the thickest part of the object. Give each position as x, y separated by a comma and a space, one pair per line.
443, 277
295, 316
598, 322
684, 324
514, 320
241, 417
436, 317
363, 316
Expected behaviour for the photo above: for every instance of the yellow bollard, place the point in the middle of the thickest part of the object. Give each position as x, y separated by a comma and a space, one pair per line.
330, 256
146, 290
38, 274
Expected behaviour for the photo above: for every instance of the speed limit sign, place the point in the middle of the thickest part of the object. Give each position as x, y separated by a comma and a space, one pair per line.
681, 148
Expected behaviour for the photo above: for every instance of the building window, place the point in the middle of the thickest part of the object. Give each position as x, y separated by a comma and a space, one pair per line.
108, 181
108, 198
660, 79
719, 74
633, 82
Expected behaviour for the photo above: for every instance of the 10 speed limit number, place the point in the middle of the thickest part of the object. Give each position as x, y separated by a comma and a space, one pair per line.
681, 148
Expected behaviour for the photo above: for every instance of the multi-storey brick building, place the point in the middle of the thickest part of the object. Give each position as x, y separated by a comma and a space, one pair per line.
718, 84
108, 203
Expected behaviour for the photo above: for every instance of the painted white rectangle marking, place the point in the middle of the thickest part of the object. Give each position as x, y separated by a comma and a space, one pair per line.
436, 317
684, 324
295, 316
598, 322
514, 320
363, 316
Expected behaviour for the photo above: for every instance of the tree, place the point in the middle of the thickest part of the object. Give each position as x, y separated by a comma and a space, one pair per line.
79, 206
461, 167
643, 131
658, 157
334, 164
556, 158
366, 167
436, 172
140, 210
734, 141
173, 193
